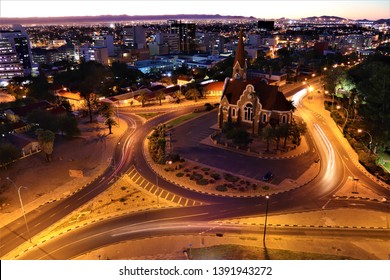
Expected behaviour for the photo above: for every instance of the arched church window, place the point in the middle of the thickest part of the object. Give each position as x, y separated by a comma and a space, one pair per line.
248, 112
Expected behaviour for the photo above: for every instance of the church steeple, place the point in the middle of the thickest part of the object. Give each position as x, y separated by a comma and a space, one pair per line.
239, 65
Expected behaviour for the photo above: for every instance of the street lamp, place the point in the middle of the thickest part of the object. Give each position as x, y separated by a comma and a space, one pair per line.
369, 145
266, 217
158, 198
21, 205
346, 119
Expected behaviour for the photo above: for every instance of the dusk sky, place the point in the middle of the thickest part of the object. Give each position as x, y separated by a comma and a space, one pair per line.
261, 9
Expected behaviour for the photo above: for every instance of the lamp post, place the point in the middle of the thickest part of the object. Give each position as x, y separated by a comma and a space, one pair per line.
158, 198
21, 205
346, 119
266, 217
369, 144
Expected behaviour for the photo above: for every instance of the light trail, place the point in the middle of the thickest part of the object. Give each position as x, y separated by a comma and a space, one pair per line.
329, 148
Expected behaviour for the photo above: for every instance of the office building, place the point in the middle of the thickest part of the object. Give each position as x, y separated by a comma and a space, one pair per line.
186, 32
20, 42
10, 65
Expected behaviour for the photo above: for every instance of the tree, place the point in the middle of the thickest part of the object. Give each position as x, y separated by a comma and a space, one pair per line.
193, 93
268, 134
39, 88
284, 132
91, 79
110, 122
46, 140
373, 98
160, 95
8, 153
67, 124
107, 111
143, 98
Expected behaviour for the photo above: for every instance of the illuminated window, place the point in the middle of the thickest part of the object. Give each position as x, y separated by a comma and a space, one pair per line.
248, 112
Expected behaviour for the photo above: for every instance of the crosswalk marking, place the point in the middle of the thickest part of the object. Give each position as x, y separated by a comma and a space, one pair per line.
138, 179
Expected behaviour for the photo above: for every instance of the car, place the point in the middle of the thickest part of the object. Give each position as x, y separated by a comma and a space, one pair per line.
268, 176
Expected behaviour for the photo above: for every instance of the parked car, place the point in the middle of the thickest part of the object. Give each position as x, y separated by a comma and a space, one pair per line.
268, 176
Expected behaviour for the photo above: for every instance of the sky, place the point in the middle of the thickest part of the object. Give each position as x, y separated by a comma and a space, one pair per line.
352, 9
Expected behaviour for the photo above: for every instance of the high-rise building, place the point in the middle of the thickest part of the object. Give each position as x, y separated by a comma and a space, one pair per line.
106, 41
19, 40
186, 32
10, 65
134, 37
170, 40
87, 53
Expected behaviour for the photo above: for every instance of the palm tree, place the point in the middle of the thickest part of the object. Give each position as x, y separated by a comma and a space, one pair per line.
268, 132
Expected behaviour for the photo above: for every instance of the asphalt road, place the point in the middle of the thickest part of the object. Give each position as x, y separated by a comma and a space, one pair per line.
335, 169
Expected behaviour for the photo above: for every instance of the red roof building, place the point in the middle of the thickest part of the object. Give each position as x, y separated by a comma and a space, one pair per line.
251, 103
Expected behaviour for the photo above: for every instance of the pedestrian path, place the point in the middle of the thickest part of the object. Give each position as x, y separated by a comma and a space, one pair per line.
154, 189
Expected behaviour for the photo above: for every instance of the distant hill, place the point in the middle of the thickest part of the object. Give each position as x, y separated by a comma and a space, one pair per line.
383, 20
324, 18
114, 18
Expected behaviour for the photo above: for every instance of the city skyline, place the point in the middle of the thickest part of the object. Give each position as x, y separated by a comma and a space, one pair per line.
371, 10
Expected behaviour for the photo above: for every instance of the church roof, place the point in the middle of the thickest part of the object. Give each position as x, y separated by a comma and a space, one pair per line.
269, 96
240, 53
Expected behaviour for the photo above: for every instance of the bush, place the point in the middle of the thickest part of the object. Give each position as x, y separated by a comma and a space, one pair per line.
230, 178
205, 169
265, 187
221, 188
180, 174
215, 176
123, 188
202, 182
196, 177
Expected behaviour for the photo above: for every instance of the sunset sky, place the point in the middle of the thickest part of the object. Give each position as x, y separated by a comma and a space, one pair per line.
258, 8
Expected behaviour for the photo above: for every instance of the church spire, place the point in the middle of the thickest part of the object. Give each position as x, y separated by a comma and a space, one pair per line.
239, 65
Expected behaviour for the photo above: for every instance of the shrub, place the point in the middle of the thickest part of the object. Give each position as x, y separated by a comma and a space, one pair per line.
202, 182
196, 177
215, 176
123, 199
221, 188
205, 169
123, 188
230, 178
180, 174
265, 187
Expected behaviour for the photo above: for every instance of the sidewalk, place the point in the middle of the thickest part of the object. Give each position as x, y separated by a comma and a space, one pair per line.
48, 182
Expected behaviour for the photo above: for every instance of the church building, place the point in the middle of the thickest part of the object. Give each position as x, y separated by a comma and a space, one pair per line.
252, 104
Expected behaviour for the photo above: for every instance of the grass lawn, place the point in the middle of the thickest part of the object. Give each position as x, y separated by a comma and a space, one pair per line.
148, 115
182, 119
238, 252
